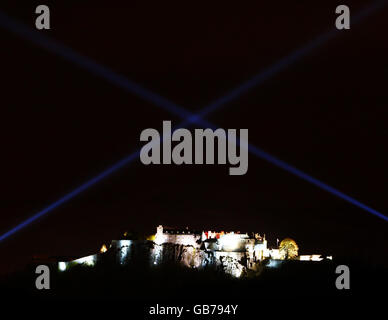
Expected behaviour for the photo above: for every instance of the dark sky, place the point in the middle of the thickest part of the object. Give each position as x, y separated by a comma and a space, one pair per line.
326, 115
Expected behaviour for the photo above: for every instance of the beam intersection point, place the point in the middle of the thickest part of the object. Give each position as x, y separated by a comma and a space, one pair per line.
188, 117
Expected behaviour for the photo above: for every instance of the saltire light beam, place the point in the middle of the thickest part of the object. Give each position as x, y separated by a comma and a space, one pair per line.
190, 118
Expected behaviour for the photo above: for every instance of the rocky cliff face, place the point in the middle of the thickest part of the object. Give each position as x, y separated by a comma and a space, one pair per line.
129, 251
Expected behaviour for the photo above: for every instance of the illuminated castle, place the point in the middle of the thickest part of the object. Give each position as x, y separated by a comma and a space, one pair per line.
233, 253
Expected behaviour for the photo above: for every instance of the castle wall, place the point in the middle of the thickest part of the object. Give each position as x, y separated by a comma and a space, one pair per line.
232, 253
183, 239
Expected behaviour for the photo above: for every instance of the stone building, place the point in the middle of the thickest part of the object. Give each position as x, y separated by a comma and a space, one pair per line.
232, 252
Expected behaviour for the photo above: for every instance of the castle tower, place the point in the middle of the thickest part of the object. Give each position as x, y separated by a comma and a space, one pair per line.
159, 237
159, 230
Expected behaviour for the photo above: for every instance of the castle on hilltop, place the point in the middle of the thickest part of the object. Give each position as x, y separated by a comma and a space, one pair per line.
234, 253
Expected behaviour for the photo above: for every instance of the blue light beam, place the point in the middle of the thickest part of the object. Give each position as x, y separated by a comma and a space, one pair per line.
190, 118
286, 61
68, 54
72, 194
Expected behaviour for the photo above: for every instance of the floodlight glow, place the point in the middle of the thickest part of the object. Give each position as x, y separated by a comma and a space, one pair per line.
229, 241
304, 258
62, 266
274, 263
124, 246
88, 260
103, 249
237, 273
316, 257
275, 254
160, 239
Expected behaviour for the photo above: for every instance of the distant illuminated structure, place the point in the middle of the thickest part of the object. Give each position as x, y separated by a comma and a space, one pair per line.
184, 237
87, 261
234, 252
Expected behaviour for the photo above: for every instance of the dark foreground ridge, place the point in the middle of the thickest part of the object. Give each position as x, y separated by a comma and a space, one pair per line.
172, 282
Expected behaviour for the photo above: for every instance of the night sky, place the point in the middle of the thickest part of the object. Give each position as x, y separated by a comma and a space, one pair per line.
326, 115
